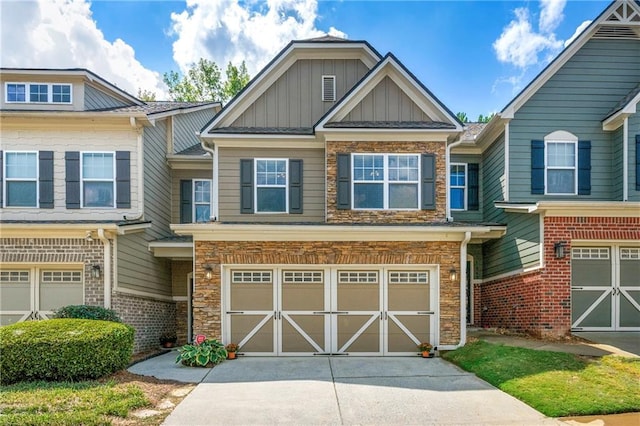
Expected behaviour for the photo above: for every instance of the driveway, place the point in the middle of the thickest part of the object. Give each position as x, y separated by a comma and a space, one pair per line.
628, 341
348, 391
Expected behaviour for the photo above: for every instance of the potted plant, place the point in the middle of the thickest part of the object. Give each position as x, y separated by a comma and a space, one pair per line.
232, 348
425, 348
168, 339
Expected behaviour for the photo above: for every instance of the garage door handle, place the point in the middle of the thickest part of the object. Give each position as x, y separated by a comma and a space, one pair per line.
425, 313
577, 288
341, 312
321, 312
235, 312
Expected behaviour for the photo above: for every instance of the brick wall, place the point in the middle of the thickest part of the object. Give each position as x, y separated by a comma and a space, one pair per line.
385, 216
207, 304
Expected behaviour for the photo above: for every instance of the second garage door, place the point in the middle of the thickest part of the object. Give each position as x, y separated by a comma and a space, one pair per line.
330, 310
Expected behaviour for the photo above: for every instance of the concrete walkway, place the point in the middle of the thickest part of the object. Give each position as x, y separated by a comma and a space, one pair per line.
348, 391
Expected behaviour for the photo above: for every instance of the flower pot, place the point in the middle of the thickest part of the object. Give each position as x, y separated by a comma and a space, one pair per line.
231, 355
168, 344
426, 354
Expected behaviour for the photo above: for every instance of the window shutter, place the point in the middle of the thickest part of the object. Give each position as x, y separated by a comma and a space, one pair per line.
295, 186
537, 167
72, 179
246, 186
45, 171
637, 162
123, 180
584, 167
473, 186
186, 191
1, 179
343, 189
428, 182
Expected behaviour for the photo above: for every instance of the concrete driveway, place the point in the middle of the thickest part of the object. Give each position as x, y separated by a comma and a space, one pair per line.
628, 341
348, 391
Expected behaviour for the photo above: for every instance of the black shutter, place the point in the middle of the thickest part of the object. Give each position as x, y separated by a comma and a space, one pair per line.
45, 173
186, 191
428, 182
295, 186
246, 186
637, 162
343, 184
584, 167
537, 167
473, 186
123, 180
72, 179
1, 179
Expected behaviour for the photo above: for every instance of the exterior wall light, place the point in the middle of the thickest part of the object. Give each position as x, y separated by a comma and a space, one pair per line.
208, 271
95, 271
88, 237
558, 249
453, 274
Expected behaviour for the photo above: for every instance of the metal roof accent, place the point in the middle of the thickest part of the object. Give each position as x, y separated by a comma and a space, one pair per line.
390, 125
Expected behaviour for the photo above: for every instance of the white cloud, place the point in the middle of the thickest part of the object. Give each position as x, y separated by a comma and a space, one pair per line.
551, 15
63, 34
233, 30
578, 31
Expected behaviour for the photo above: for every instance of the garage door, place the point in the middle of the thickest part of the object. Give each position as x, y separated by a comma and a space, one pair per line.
605, 289
35, 293
329, 311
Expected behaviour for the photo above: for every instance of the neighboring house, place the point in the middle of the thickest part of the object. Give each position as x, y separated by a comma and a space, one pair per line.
329, 232
560, 165
85, 187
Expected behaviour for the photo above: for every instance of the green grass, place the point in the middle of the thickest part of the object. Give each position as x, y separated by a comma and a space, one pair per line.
64, 403
556, 384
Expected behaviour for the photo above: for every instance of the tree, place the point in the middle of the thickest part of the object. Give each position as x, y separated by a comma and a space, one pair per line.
485, 118
146, 95
203, 82
462, 116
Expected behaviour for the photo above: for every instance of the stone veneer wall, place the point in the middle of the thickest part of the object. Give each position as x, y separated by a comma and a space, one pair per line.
181, 322
539, 302
207, 307
386, 216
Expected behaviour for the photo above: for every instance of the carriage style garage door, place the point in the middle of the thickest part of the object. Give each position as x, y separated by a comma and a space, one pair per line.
35, 293
330, 311
605, 288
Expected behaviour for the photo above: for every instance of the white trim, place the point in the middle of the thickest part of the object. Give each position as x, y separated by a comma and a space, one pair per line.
6, 180
506, 195
547, 167
328, 79
464, 187
27, 93
625, 159
194, 204
82, 179
256, 186
187, 110
541, 237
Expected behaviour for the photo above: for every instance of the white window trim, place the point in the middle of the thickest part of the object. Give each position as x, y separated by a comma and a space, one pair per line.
193, 198
333, 82
82, 179
548, 142
27, 92
464, 187
385, 182
6, 180
256, 186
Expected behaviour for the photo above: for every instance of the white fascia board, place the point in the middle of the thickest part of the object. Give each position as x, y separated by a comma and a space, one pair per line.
517, 208
617, 119
491, 131
53, 230
132, 229
285, 232
590, 208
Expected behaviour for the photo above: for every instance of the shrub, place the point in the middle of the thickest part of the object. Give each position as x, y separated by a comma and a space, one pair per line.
87, 312
63, 349
206, 354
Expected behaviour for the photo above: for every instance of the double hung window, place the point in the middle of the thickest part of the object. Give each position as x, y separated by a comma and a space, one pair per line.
201, 200
98, 179
21, 179
271, 185
386, 181
561, 176
458, 186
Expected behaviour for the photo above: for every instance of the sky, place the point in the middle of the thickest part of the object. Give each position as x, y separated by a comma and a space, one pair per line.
475, 56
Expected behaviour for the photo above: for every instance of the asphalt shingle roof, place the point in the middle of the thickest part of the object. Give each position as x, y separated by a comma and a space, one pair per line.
194, 150
155, 107
623, 102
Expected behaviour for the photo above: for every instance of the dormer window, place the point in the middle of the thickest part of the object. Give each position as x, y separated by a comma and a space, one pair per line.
328, 88
41, 93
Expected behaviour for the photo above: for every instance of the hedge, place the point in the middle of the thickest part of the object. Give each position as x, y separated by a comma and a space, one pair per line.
63, 349
87, 312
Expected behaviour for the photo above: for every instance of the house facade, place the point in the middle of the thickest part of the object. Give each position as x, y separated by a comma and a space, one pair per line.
84, 191
560, 166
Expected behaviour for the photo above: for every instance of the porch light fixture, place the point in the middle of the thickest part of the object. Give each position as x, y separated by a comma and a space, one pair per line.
208, 271
558, 249
95, 271
88, 237
453, 274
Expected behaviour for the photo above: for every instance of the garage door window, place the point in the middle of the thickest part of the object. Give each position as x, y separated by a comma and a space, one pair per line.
630, 253
247, 277
303, 277
590, 253
14, 276
357, 277
408, 277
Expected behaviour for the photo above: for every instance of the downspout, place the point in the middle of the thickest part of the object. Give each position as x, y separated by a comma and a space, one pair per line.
214, 177
140, 161
625, 159
107, 268
447, 164
463, 289
506, 161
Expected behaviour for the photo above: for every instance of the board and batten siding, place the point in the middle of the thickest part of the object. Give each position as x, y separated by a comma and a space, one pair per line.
295, 99
97, 99
313, 188
576, 99
634, 129
469, 215
386, 102
176, 177
186, 125
138, 269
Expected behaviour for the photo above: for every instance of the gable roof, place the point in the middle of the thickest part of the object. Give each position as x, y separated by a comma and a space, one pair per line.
620, 19
626, 107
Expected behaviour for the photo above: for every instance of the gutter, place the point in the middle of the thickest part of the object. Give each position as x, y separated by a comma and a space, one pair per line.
107, 268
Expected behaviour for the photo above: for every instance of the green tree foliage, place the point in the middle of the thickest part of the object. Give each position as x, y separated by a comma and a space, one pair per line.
146, 95
462, 116
203, 82
485, 118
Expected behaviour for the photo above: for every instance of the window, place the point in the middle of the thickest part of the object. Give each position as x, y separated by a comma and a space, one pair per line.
458, 186
561, 176
328, 88
385, 181
271, 185
98, 183
38, 93
21, 179
201, 200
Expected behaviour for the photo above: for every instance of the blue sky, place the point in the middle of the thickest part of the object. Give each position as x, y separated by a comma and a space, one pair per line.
473, 55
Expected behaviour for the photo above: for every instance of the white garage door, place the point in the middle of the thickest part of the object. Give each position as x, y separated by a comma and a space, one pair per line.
330, 310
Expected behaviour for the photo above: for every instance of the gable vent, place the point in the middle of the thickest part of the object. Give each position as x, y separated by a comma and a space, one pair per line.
611, 32
328, 88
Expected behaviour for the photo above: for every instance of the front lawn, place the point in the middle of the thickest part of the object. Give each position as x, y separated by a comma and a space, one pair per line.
556, 384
